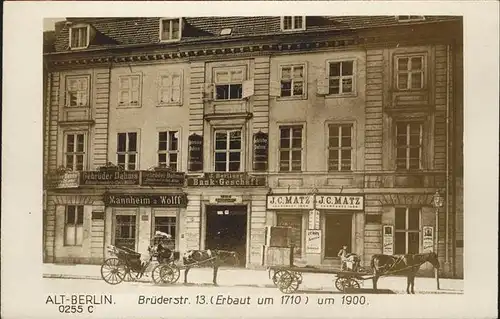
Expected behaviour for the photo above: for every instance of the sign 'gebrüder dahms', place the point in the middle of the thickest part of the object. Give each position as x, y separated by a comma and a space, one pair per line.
341, 202
167, 200
109, 178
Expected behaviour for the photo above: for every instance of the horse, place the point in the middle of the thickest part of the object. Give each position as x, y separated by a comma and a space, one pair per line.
401, 264
207, 258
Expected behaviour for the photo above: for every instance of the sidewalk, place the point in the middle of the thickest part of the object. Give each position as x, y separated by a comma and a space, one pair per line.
260, 278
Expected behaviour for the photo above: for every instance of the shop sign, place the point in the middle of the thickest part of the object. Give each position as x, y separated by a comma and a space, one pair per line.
313, 241
62, 180
388, 240
343, 202
260, 151
314, 219
226, 199
167, 200
109, 178
162, 178
227, 180
290, 201
195, 153
428, 239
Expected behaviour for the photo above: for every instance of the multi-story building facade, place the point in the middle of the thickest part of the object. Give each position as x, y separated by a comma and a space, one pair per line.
211, 129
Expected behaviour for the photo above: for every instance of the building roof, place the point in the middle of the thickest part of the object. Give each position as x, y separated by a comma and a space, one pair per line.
119, 32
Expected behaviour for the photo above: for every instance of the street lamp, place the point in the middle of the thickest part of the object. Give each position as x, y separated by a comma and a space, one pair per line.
437, 202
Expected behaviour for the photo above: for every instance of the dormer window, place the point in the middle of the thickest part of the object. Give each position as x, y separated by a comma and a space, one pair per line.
409, 18
293, 23
79, 36
170, 29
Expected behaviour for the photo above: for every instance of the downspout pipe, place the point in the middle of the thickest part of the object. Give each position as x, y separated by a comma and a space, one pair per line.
448, 146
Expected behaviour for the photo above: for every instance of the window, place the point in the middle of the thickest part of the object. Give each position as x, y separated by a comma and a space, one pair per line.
129, 90
295, 222
290, 149
407, 230
73, 226
170, 29
77, 91
74, 151
166, 225
409, 145
168, 148
290, 23
79, 37
410, 73
339, 147
229, 84
127, 150
170, 88
341, 77
410, 18
227, 151
125, 231
292, 81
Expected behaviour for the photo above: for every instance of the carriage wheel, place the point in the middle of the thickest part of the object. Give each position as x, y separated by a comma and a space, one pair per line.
339, 283
276, 277
113, 271
169, 274
155, 274
288, 282
350, 283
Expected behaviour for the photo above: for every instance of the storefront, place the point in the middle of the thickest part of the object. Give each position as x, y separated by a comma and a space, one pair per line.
227, 211
320, 224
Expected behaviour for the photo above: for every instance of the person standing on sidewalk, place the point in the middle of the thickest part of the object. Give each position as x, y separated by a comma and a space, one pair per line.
343, 254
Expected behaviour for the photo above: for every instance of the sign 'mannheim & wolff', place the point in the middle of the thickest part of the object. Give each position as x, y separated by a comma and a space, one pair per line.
167, 200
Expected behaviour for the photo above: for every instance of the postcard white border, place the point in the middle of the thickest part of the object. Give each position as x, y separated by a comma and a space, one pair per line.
22, 282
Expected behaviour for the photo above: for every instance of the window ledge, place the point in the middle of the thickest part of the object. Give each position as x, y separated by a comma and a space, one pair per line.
170, 40
341, 96
291, 98
68, 107
79, 48
76, 122
173, 104
123, 106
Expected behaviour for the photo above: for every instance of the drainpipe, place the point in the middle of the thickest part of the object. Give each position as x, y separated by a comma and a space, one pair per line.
448, 142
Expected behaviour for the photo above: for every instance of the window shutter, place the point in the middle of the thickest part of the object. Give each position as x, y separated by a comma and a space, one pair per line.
322, 88
134, 90
275, 88
248, 88
176, 87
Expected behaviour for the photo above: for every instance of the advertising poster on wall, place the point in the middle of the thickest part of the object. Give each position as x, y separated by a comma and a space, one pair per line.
388, 240
428, 239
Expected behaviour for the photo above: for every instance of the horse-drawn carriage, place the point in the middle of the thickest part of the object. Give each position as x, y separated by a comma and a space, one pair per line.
130, 265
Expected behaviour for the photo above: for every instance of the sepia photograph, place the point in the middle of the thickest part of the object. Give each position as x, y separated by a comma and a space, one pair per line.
239, 161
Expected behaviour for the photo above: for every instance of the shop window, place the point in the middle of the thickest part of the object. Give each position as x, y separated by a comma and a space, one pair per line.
341, 77
168, 149
407, 230
340, 147
409, 145
170, 88
293, 23
77, 91
410, 72
293, 81
167, 225
129, 93
79, 37
295, 222
228, 151
290, 156
170, 29
73, 226
74, 151
127, 150
229, 84
125, 231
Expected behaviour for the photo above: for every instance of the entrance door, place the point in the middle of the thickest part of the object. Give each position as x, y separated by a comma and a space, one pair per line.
338, 231
227, 230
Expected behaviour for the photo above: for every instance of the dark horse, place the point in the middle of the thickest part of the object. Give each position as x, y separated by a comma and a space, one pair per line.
207, 258
401, 265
